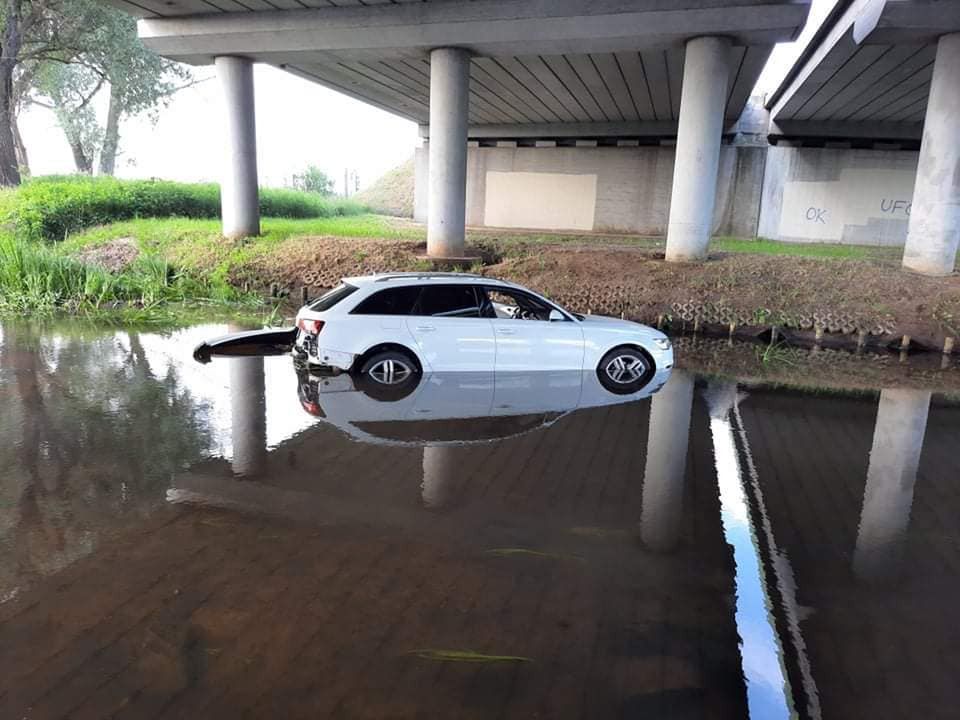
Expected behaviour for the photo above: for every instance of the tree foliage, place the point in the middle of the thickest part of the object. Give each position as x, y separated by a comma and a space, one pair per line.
313, 180
112, 55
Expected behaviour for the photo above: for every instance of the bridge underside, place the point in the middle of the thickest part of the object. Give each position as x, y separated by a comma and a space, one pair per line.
887, 71
497, 69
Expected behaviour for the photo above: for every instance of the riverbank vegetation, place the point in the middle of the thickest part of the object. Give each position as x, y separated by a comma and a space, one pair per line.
43, 267
94, 245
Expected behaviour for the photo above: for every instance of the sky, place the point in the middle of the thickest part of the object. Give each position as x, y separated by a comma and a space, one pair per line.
299, 123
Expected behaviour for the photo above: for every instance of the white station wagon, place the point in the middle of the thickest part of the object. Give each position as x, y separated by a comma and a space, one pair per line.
392, 327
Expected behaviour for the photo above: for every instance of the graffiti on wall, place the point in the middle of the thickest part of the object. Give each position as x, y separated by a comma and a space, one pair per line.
858, 201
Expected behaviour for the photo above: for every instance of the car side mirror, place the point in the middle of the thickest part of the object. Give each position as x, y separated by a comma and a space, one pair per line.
556, 316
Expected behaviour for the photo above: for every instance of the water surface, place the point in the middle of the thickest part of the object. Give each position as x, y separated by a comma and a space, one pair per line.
241, 539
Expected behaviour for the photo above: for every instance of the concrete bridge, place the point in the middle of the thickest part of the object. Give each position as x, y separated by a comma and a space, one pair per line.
613, 115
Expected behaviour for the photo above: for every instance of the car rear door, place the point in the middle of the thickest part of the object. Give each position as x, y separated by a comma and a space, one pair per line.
449, 331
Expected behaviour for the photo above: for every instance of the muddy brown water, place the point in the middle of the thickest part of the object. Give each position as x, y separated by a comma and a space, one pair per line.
236, 539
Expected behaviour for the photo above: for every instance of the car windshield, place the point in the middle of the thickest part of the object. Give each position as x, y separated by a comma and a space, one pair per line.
332, 297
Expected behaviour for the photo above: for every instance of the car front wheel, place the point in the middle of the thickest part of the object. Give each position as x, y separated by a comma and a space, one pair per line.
625, 370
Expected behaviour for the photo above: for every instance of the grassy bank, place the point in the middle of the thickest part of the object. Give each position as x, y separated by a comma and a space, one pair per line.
52, 208
145, 262
46, 267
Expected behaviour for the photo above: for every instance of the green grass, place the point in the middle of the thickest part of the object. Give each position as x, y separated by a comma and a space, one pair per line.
52, 208
153, 234
763, 246
35, 278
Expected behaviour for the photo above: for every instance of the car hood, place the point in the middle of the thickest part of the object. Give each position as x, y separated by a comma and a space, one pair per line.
612, 322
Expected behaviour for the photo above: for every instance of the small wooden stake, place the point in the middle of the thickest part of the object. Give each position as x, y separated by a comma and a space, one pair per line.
659, 322
304, 295
818, 333
861, 339
696, 324
905, 343
273, 289
774, 334
948, 345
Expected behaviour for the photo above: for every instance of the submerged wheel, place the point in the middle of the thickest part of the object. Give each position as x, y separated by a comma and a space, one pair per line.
625, 370
389, 375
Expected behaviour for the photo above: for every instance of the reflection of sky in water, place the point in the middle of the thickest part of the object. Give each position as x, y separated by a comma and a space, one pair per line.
767, 694
209, 384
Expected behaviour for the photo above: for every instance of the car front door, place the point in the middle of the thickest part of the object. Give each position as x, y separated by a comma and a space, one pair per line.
526, 338
449, 330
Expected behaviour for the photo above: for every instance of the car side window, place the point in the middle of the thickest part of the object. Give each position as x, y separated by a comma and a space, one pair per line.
392, 301
504, 304
458, 301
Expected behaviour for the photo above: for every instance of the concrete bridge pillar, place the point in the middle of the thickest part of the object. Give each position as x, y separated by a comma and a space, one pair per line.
703, 100
239, 190
661, 514
934, 231
446, 200
891, 475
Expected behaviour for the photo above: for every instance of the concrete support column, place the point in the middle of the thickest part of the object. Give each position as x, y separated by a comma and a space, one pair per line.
239, 191
248, 415
894, 459
706, 74
446, 201
661, 514
934, 231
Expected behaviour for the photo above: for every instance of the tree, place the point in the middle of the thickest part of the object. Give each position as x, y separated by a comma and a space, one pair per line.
313, 180
32, 32
111, 55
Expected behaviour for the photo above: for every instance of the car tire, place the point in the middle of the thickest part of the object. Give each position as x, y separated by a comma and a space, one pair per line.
388, 375
626, 369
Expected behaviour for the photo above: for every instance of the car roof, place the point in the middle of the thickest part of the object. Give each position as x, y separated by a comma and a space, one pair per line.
414, 278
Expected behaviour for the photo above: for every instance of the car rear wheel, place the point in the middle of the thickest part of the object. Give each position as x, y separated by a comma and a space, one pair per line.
625, 370
389, 375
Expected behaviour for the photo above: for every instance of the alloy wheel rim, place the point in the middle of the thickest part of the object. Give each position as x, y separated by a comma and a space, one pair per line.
390, 372
625, 369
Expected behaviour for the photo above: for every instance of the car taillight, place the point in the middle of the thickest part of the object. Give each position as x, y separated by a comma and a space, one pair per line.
311, 327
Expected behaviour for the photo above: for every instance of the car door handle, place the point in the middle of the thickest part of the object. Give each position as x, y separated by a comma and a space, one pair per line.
426, 328
506, 331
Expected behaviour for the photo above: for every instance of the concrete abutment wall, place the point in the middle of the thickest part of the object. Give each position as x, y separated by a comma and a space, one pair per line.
598, 189
792, 194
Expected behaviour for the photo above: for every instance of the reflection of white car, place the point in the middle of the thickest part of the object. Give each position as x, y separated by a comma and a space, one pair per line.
457, 407
392, 327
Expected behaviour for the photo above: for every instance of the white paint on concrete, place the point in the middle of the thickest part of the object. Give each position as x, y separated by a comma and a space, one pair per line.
239, 191
845, 196
821, 211
934, 233
548, 201
706, 73
449, 101
633, 184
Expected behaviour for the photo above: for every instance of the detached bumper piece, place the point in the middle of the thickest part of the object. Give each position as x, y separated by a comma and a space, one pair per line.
273, 341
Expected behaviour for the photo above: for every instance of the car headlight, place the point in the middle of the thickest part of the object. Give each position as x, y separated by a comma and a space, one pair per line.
662, 343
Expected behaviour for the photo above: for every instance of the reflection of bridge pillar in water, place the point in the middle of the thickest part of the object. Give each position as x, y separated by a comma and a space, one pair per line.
439, 471
248, 415
666, 462
891, 475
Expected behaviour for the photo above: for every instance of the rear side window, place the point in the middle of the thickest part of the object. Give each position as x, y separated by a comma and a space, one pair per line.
332, 297
393, 301
449, 301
